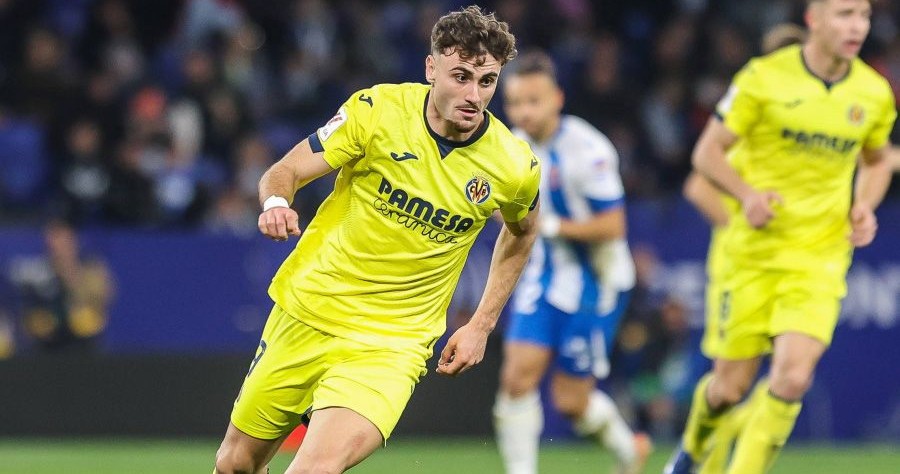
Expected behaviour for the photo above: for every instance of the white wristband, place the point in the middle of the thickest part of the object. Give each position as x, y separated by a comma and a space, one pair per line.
274, 201
549, 226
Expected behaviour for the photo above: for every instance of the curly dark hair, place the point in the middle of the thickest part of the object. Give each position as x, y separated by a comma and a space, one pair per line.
473, 33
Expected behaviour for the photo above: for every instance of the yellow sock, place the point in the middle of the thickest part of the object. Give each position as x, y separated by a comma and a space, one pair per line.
730, 427
767, 430
701, 422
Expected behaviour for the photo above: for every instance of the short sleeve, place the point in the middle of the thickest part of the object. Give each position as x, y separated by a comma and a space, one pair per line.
526, 195
599, 177
884, 124
740, 108
345, 136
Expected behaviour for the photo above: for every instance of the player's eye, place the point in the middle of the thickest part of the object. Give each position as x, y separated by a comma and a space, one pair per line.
460, 78
487, 81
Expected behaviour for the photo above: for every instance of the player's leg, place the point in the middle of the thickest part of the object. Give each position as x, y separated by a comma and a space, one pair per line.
741, 331
724, 437
269, 404
337, 439
802, 325
771, 422
357, 404
583, 359
518, 415
242, 453
715, 395
594, 414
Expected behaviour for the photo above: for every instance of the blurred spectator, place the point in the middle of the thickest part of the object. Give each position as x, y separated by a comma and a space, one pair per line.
64, 294
84, 179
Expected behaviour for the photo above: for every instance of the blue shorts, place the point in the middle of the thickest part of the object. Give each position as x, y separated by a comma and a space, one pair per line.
582, 341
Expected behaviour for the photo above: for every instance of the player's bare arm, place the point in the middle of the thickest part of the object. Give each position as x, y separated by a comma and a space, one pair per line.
706, 198
872, 181
466, 346
600, 227
709, 158
278, 186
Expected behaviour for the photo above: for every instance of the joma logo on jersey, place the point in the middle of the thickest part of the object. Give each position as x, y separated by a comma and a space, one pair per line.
819, 140
422, 210
478, 189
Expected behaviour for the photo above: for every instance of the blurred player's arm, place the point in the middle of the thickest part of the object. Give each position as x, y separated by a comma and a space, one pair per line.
872, 181
709, 158
600, 227
466, 346
279, 184
704, 196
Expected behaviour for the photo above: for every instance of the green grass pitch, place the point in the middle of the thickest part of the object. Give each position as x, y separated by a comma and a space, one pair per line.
405, 455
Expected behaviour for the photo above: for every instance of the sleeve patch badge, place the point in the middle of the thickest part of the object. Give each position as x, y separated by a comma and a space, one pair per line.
332, 125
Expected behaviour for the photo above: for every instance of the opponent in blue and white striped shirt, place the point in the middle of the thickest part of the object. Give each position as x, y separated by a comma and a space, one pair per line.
574, 290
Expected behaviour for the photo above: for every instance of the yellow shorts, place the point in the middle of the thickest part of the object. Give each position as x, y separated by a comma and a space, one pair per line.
746, 308
299, 369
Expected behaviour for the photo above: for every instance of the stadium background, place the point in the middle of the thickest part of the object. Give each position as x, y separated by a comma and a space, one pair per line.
146, 124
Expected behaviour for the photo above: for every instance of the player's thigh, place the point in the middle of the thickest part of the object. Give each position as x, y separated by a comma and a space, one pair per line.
524, 364
279, 384
808, 302
373, 382
743, 309
337, 438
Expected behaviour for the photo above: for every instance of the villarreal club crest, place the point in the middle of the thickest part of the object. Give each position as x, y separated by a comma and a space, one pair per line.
478, 190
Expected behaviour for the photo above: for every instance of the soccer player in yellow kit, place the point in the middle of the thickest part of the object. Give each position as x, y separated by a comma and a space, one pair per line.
713, 204
362, 299
799, 119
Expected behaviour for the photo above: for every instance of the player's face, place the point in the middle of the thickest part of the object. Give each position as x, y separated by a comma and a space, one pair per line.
841, 26
462, 89
533, 103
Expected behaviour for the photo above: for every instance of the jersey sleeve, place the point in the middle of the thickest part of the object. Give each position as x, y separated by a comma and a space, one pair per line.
600, 182
345, 136
741, 107
884, 124
526, 196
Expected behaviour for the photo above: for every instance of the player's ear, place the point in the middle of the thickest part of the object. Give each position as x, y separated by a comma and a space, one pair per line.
429, 68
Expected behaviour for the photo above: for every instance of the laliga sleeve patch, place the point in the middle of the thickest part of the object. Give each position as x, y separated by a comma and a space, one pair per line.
724, 105
335, 123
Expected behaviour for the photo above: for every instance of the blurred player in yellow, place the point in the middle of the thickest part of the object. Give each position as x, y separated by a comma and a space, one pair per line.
362, 299
795, 122
576, 285
713, 204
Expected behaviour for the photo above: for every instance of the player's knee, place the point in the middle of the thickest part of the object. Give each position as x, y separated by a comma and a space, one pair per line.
570, 403
516, 382
725, 392
790, 384
232, 461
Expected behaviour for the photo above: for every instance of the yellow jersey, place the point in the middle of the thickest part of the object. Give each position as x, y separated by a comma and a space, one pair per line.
801, 137
380, 260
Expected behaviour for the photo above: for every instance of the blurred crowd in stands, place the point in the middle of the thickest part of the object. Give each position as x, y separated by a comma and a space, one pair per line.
164, 113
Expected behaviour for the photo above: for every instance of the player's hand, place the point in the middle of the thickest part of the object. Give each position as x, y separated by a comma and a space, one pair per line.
864, 224
278, 223
464, 349
758, 207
